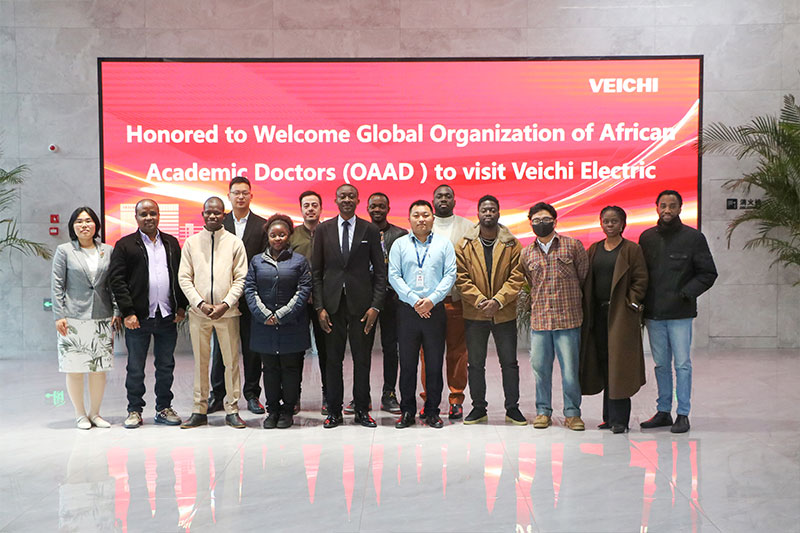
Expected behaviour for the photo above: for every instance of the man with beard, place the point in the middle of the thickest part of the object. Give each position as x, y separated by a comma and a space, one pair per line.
453, 228
555, 267
489, 279
349, 277
212, 273
681, 269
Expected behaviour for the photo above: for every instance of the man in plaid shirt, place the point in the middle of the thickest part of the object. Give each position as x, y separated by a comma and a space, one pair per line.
555, 267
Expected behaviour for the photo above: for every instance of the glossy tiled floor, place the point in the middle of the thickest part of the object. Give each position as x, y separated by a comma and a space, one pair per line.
738, 469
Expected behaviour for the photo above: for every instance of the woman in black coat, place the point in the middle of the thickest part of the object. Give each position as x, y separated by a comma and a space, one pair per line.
277, 289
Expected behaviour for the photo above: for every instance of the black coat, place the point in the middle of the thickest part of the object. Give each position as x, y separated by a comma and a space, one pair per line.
254, 238
282, 288
680, 268
330, 273
130, 279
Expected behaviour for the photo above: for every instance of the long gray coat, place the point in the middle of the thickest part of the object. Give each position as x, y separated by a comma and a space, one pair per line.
76, 294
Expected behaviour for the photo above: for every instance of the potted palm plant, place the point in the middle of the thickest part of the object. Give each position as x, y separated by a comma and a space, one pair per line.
10, 238
774, 143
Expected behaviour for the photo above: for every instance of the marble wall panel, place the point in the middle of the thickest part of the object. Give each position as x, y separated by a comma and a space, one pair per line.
756, 343
210, 14
8, 60
336, 14
79, 14
338, 43
6, 13
467, 43
717, 12
65, 60
791, 11
714, 207
9, 130
743, 57
744, 311
209, 43
39, 328
721, 168
68, 182
11, 321
738, 107
735, 265
700, 326
589, 13
612, 41
67, 120
789, 315
790, 54
463, 13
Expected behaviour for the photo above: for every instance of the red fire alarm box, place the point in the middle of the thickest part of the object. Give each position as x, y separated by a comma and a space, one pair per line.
54, 219
53, 230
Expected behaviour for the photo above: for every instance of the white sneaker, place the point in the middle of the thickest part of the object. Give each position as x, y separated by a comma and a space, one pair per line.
134, 420
99, 422
83, 423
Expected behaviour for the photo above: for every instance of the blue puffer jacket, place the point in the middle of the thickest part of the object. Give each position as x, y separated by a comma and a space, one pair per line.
281, 288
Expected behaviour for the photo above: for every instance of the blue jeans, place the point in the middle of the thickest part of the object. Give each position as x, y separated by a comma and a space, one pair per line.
165, 336
670, 341
545, 347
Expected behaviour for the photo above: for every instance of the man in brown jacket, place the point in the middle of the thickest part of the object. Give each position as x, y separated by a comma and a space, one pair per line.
489, 277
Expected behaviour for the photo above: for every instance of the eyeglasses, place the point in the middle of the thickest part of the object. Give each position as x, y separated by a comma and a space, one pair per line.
543, 220
243, 194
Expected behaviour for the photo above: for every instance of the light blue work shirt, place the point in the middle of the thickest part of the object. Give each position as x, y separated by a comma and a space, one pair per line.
438, 268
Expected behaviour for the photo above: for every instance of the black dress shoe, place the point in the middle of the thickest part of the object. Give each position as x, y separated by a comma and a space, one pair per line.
215, 404
476, 416
618, 428
604, 425
407, 419
389, 403
333, 421
660, 419
196, 420
363, 418
285, 421
271, 422
296, 408
681, 424
456, 411
350, 408
255, 407
235, 421
434, 421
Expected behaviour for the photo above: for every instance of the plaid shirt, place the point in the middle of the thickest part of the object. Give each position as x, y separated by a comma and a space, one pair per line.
555, 280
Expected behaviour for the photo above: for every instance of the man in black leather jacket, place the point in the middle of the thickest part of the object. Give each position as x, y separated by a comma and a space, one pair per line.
681, 269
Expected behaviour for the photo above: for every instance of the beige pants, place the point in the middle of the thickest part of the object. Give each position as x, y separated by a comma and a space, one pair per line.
227, 330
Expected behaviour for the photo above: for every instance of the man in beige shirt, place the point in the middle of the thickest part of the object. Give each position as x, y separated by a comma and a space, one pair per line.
211, 275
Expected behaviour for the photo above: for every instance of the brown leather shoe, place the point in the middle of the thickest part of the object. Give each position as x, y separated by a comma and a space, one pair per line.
542, 422
574, 423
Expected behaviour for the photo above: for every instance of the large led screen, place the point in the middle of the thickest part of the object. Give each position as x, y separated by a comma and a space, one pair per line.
578, 133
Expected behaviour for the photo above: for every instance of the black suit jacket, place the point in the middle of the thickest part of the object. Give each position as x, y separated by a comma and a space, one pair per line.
329, 272
130, 278
255, 242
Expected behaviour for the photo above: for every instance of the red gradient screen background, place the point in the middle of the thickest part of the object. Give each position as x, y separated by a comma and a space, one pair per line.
186, 94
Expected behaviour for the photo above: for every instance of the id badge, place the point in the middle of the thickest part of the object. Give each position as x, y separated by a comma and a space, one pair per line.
420, 284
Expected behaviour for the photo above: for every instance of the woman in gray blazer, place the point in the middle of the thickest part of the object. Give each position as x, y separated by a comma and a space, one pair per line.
85, 313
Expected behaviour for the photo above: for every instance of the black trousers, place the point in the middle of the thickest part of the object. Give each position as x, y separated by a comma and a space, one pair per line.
614, 411
505, 340
429, 333
388, 321
347, 326
282, 380
251, 363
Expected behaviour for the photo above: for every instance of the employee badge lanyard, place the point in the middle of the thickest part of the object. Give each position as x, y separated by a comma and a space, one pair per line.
420, 284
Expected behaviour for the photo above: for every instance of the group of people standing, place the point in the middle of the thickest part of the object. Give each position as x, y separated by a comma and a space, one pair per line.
438, 293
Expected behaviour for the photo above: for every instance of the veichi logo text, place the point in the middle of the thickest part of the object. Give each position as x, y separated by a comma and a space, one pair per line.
624, 85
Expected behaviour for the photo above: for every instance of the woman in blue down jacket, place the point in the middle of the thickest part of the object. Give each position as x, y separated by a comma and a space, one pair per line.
277, 289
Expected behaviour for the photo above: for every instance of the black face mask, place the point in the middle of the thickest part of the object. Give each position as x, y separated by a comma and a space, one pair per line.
543, 229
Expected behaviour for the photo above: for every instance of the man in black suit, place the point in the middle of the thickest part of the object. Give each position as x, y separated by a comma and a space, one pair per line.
348, 298
250, 228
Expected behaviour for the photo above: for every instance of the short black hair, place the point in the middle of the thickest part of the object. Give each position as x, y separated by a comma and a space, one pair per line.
539, 206
309, 193
217, 198
670, 192
416, 203
489, 198
239, 179
379, 194
136, 207
279, 217
444, 185
74, 216
346, 185
621, 212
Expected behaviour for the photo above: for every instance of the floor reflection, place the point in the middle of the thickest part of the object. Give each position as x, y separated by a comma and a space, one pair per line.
532, 482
